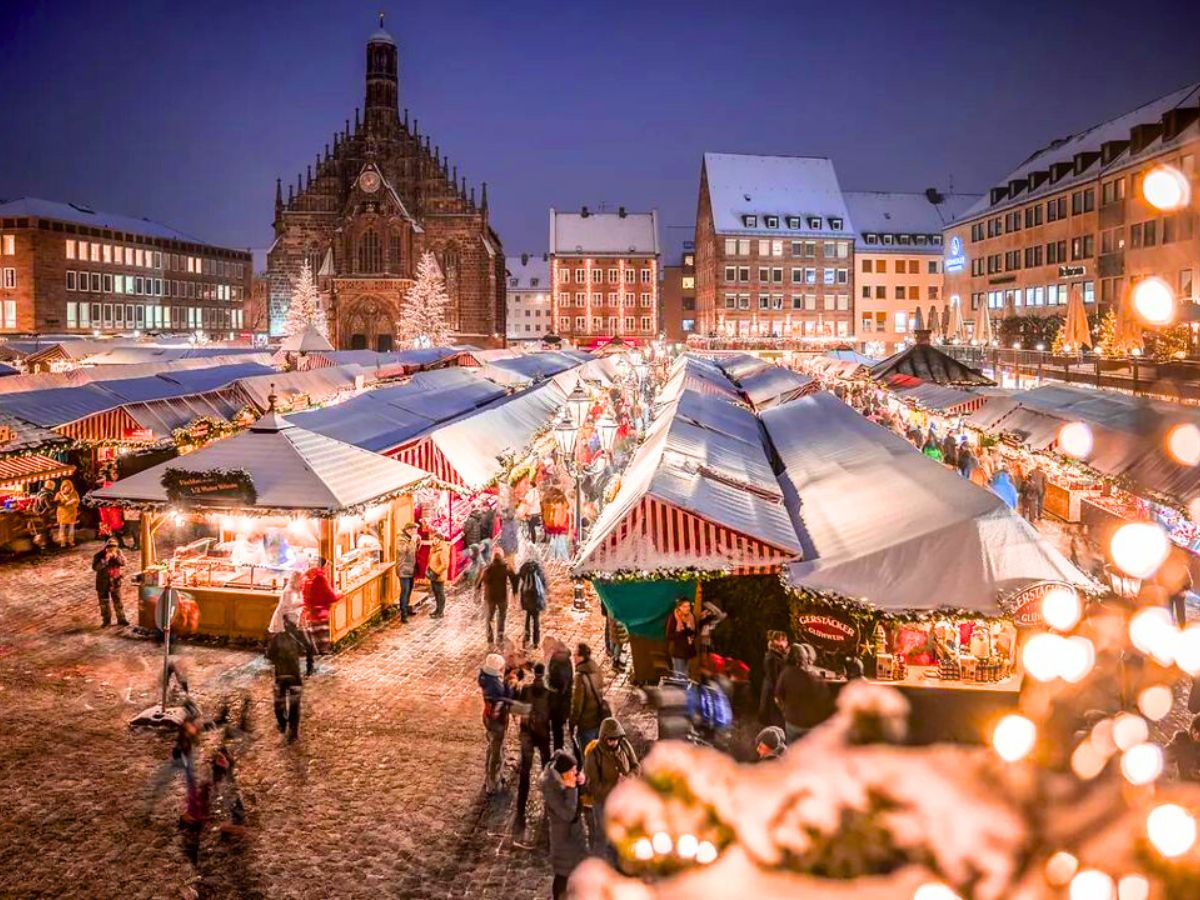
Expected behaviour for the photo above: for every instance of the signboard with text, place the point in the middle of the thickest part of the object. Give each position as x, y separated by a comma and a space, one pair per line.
214, 487
956, 260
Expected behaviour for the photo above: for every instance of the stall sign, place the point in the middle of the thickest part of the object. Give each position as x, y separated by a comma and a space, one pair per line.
828, 631
225, 487
139, 434
1027, 605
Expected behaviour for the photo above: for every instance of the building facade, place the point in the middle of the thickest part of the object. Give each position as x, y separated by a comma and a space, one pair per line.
774, 250
367, 210
529, 316
66, 268
678, 288
1072, 218
605, 271
898, 262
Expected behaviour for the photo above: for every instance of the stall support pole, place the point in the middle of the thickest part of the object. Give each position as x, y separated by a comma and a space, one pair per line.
578, 600
697, 609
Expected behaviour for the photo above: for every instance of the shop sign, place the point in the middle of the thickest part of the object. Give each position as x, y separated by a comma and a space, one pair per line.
224, 487
1027, 605
1071, 271
956, 260
827, 631
139, 434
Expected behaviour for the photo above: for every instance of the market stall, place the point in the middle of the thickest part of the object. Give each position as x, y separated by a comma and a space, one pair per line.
29, 458
231, 521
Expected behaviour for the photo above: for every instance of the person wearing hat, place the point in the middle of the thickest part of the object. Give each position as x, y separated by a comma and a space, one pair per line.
66, 512
498, 691
109, 566
437, 570
770, 743
406, 566
561, 781
606, 763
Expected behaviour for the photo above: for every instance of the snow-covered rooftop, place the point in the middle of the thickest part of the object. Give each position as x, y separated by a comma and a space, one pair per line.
604, 233
804, 188
894, 212
79, 214
528, 272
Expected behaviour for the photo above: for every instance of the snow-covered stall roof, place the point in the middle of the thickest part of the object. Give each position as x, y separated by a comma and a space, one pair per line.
880, 521
291, 468
772, 385
697, 374
938, 397
318, 385
714, 414
528, 368
738, 365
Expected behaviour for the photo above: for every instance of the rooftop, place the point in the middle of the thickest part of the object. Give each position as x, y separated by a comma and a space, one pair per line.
801, 192
80, 214
529, 271
608, 233
896, 213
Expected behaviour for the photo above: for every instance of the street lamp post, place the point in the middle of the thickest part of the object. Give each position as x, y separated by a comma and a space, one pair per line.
566, 435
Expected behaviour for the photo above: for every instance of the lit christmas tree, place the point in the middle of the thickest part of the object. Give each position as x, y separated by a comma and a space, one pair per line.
422, 320
1107, 338
305, 310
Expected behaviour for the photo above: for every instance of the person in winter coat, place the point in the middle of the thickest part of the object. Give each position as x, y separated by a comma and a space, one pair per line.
406, 566
66, 512
498, 577
472, 537
773, 662
1035, 484
437, 570
510, 532
681, 636
932, 450
586, 697
801, 693
606, 763
950, 450
534, 734
531, 589
1003, 487
289, 614
109, 566
498, 692
770, 744
967, 462
560, 676
561, 782
319, 598
283, 651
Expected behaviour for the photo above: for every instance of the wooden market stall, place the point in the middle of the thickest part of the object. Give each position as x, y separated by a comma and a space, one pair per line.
230, 522
29, 458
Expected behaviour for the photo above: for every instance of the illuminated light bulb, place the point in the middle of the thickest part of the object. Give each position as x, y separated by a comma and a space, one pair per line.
686, 846
706, 853
662, 843
1061, 608
1139, 548
934, 890
1102, 737
1087, 762
1142, 763
643, 849
1153, 632
1092, 884
1129, 730
1040, 656
1133, 887
1014, 737
1171, 829
1166, 188
1187, 650
1155, 702
1061, 868
1076, 659
1154, 301
1075, 439
1183, 444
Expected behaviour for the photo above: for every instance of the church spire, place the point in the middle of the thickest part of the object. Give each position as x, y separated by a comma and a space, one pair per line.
278, 196
483, 199
383, 82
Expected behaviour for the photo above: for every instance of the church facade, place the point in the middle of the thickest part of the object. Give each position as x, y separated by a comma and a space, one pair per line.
365, 212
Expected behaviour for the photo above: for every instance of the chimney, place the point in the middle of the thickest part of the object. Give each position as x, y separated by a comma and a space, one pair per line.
621, 211
583, 213
524, 259
545, 257
934, 196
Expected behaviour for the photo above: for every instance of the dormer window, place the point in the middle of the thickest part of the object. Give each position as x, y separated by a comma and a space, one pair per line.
921, 240
749, 221
887, 239
814, 222
533, 282
872, 238
936, 238
905, 239
513, 282
835, 224
772, 221
793, 222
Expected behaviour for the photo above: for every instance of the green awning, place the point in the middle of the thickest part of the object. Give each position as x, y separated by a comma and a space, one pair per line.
643, 606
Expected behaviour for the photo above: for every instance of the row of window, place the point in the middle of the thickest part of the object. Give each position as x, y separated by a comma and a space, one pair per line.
131, 315
614, 276
877, 322
1050, 295
911, 292
793, 223
614, 299
799, 249
904, 240
139, 285
598, 326
808, 327
830, 302
829, 275
120, 255
1082, 247
902, 266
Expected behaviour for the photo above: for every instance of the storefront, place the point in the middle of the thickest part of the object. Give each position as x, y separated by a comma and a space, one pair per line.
30, 458
230, 522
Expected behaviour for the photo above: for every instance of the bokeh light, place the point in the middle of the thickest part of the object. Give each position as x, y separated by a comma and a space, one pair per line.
1187, 650
1183, 444
1133, 887
1061, 608
706, 853
1171, 829
1152, 631
1075, 439
1061, 868
1155, 702
1139, 548
1013, 737
1129, 730
1142, 763
1076, 659
1154, 301
1040, 655
1166, 188
1092, 884
934, 890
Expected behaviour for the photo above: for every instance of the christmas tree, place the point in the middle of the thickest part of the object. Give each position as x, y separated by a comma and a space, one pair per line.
1169, 343
422, 320
1106, 339
305, 309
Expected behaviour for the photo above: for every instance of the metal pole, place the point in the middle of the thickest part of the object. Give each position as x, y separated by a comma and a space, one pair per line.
166, 664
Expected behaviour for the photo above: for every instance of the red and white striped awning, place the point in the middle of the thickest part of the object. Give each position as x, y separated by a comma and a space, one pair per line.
425, 455
16, 471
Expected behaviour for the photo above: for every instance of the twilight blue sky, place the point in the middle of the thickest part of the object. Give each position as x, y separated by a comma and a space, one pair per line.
186, 112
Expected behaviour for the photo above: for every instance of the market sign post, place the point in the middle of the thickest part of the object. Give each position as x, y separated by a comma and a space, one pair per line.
212, 487
160, 716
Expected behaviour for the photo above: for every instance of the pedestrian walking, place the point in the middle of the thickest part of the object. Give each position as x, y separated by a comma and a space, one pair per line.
436, 570
283, 651
531, 589
1003, 487
109, 566
535, 737
66, 512
289, 615
497, 579
681, 636
588, 707
770, 744
606, 763
510, 531
561, 782
182, 760
498, 689
560, 678
319, 598
773, 662
406, 567
532, 505
472, 531
801, 694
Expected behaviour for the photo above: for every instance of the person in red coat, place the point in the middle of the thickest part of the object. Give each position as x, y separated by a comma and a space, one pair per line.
319, 596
